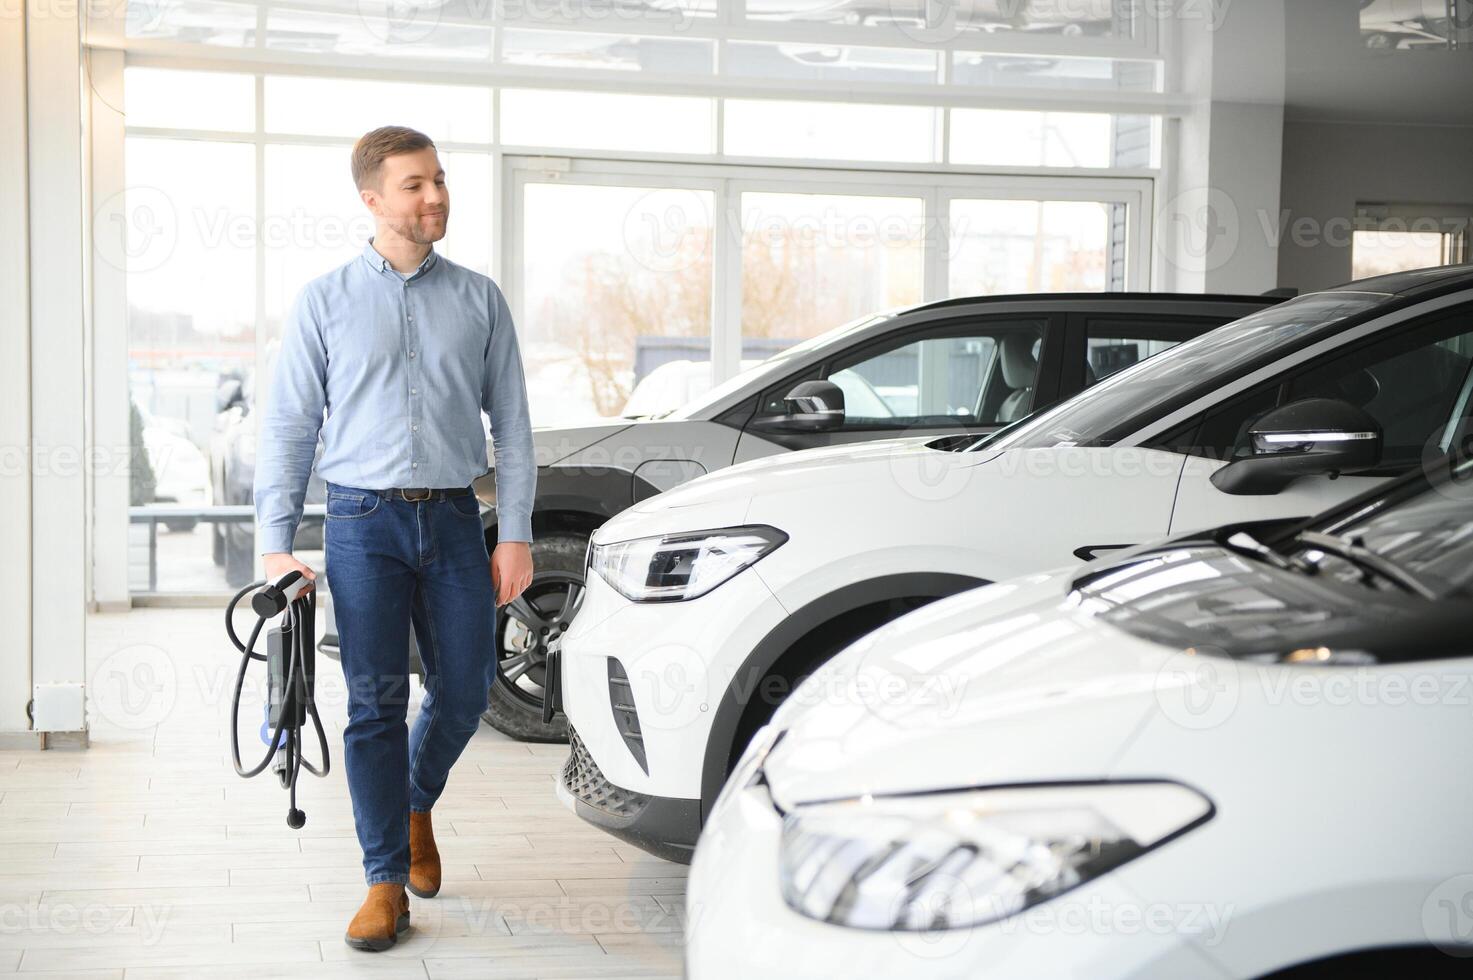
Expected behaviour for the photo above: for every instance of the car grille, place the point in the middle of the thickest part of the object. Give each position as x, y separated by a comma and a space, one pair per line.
583, 779
626, 715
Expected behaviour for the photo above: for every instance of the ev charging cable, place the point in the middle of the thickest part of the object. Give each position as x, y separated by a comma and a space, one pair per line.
290, 660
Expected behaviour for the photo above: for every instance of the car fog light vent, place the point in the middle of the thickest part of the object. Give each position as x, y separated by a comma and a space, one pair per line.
626, 715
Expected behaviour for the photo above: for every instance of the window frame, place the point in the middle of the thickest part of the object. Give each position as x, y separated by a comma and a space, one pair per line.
1184, 437
1045, 390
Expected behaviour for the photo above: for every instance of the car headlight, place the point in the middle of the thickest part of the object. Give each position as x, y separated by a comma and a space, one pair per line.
748, 768
672, 567
960, 859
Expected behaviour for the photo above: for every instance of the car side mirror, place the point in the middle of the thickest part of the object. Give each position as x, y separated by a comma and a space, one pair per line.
1303, 438
814, 406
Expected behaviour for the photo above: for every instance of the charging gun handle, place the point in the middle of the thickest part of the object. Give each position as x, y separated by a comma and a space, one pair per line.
272, 599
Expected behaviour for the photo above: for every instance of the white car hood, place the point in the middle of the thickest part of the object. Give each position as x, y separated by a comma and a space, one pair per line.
721, 498
993, 670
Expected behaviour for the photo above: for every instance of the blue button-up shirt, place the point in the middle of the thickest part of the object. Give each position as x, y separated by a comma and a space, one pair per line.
402, 366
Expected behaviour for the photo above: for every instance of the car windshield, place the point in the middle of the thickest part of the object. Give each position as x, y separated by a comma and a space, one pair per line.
1387, 583
1153, 386
1429, 536
773, 366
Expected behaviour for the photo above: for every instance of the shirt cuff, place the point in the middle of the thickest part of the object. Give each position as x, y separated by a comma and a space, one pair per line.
277, 538
510, 528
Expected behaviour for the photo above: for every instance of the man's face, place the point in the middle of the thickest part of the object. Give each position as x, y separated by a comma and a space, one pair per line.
414, 201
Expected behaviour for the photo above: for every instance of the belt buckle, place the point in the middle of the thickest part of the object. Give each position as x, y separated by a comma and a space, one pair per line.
429, 492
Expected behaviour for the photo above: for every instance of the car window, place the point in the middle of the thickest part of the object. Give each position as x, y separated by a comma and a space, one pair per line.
983, 376
775, 365
1115, 406
1115, 343
1106, 355
1410, 383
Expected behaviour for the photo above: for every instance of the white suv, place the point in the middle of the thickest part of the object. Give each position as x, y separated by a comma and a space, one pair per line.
1229, 754
707, 604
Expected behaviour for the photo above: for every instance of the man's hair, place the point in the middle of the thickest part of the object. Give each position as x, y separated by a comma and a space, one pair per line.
386, 141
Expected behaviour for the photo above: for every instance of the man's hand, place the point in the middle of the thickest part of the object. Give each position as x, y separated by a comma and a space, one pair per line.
278, 563
511, 570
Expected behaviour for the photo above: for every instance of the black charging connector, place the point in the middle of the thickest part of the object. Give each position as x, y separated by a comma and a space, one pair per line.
290, 661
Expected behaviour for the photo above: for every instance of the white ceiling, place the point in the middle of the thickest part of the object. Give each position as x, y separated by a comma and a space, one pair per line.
1331, 75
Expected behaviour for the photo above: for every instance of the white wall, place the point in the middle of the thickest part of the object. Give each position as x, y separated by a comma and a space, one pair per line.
1224, 155
15, 381
1330, 167
43, 436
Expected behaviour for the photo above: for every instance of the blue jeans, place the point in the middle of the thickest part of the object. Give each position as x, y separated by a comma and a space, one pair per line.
390, 561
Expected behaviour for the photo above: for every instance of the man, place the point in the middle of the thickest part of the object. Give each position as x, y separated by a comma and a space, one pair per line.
403, 349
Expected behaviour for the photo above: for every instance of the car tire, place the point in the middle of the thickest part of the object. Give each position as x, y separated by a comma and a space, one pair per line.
514, 704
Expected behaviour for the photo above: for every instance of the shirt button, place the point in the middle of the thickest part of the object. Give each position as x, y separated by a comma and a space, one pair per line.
414, 428
414, 391
414, 465
411, 353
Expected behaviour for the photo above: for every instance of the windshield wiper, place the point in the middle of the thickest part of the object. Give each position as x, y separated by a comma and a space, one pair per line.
1366, 560
1243, 543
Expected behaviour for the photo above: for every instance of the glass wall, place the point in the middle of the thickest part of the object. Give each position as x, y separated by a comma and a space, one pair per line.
778, 167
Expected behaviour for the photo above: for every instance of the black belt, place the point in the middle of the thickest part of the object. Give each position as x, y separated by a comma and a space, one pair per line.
422, 493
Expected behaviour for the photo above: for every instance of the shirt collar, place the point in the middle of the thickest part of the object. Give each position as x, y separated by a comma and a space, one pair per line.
381, 264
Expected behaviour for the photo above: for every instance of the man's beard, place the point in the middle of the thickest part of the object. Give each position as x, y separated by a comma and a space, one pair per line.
412, 231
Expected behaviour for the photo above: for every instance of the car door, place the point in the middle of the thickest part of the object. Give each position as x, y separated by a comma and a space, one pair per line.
951, 377
1413, 380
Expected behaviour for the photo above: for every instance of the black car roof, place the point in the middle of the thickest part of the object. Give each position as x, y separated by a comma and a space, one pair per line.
1120, 297
1415, 282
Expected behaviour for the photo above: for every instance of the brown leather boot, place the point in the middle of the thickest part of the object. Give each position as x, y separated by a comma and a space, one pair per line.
424, 857
383, 915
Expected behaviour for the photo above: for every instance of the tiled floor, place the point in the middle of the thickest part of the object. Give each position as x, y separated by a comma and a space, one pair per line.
146, 856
